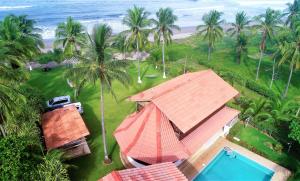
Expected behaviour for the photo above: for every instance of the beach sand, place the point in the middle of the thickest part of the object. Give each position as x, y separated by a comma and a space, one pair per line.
183, 33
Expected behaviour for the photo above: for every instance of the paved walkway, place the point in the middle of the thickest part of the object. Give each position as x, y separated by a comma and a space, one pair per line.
199, 160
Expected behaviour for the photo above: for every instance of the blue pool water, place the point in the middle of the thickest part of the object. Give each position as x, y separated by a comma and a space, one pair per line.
234, 168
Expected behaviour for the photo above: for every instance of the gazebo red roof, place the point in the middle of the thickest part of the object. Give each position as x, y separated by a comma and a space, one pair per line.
189, 98
148, 136
63, 126
157, 172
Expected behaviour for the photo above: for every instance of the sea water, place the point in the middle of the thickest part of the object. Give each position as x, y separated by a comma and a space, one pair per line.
48, 13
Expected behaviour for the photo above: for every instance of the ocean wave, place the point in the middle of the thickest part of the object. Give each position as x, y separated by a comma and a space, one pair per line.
6, 8
201, 8
259, 2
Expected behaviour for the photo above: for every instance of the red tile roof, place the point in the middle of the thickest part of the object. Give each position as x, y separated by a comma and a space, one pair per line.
194, 140
157, 172
148, 136
63, 126
189, 98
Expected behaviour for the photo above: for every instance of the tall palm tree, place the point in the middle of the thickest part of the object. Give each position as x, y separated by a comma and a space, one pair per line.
292, 12
121, 43
266, 23
241, 46
137, 21
164, 25
211, 29
241, 23
291, 54
95, 66
71, 36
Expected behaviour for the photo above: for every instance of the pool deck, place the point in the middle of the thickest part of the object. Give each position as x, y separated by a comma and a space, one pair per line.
200, 159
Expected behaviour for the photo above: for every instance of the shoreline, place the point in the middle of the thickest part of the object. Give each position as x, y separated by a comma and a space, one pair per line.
185, 32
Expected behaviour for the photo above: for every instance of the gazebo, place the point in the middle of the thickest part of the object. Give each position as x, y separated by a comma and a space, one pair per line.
65, 129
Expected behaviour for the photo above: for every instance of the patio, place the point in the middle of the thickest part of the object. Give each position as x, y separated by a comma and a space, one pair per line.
197, 162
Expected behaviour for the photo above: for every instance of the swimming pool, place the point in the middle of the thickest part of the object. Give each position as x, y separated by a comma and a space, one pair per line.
234, 167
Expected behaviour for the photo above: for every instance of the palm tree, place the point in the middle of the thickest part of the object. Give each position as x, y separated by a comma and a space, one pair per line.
291, 54
71, 36
121, 43
20, 41
241, 46
266, 23
211, 29
137, 21
164, 26
292, 12
241, 22
94, 65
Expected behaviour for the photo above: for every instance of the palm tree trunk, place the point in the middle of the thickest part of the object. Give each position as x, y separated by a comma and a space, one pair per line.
138, 57
209, 52
273, 72
163, 57
289, 81
2, 130
238, 59
259, 63
75, 94
298, 112
106, 158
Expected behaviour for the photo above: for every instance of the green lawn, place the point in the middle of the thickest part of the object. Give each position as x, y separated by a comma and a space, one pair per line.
91, 167
261, 142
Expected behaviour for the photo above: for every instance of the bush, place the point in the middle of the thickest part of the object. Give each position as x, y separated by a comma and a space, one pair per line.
278, 148
262, 90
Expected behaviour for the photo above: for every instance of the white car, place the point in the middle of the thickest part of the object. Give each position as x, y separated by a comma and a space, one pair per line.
57, 102
77, 105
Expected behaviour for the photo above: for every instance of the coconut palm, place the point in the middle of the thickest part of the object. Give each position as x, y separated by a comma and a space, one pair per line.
290, 54
19, 41
266, 24
163, 28
95, 66
211, 29
241, 23
121, 43
137, 21
241, 46
70, 36
292, 12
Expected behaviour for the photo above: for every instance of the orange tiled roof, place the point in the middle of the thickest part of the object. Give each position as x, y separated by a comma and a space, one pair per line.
157, 172
148, 136
194, 140
189, 98
63, 126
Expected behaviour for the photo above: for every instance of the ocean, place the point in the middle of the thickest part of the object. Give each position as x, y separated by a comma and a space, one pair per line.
48, 13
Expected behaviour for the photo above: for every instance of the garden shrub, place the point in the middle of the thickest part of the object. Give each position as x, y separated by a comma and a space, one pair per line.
55, 55
278, 148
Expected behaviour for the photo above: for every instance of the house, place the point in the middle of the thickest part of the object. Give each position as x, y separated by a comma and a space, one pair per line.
65, 129
176, 119
162, 172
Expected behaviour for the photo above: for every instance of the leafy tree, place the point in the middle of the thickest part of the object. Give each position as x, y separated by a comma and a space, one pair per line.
52, 168
163, 28
266, 24
211, 29
71, 36
18, 158
137, 21
292, 12
295, 130
94, 65
290, 51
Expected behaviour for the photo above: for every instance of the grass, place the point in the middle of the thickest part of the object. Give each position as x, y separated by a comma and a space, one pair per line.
262, 144
91, 167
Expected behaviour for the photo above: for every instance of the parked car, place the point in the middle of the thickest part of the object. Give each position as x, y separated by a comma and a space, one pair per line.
77, 105
57, 102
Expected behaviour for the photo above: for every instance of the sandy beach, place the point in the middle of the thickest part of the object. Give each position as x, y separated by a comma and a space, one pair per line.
183, 33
